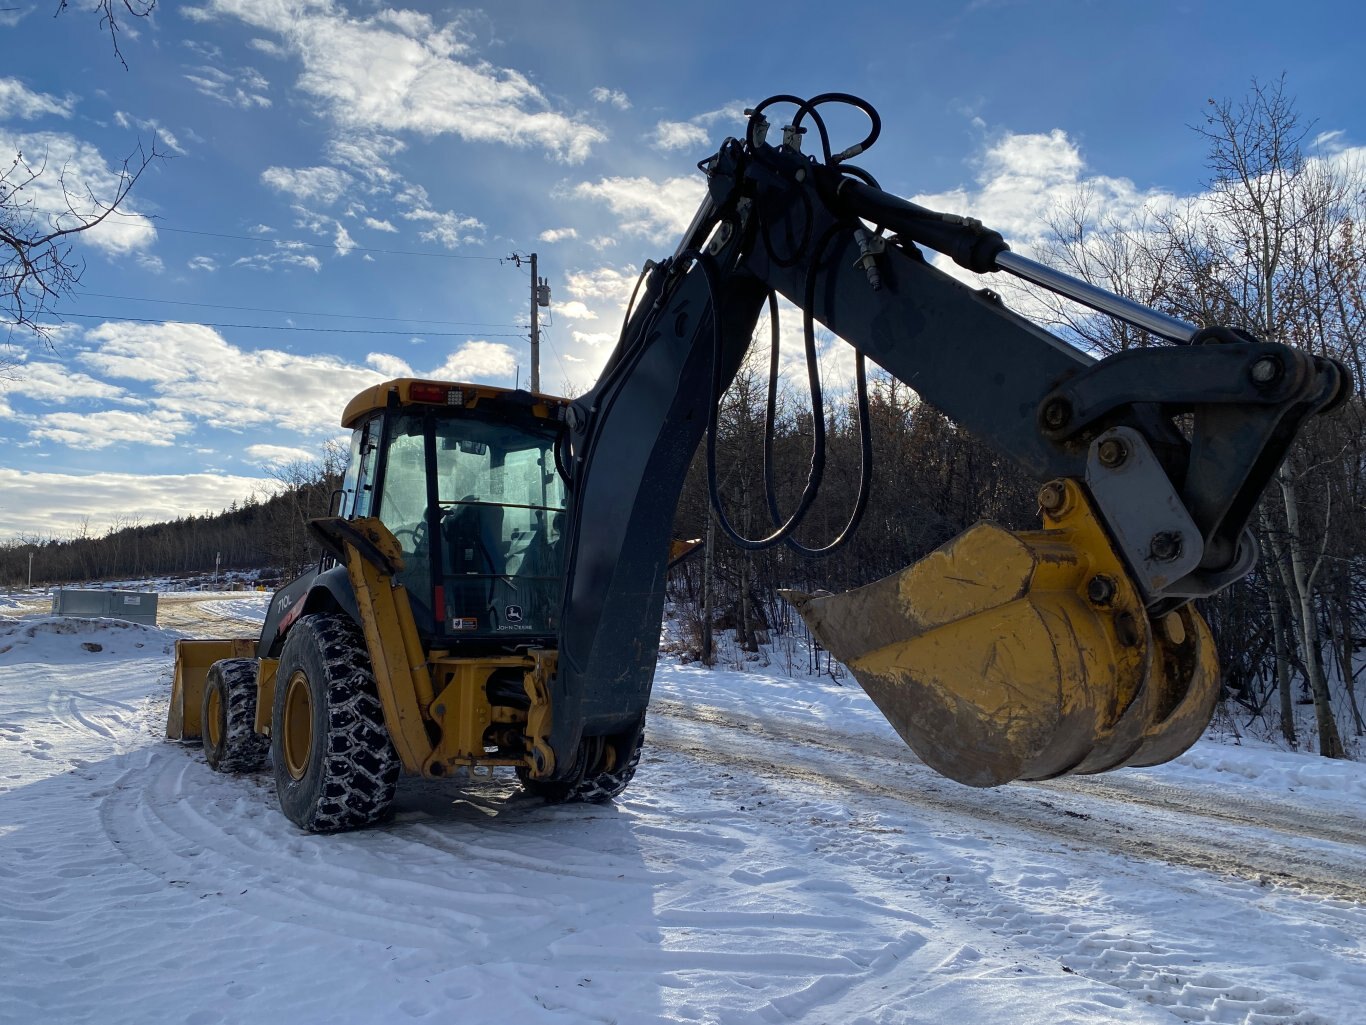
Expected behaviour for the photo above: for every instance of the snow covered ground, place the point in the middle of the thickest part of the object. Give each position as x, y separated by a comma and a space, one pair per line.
781, 857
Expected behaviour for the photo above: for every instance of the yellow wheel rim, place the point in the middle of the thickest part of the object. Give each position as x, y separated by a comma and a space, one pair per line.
213, 713
298, 725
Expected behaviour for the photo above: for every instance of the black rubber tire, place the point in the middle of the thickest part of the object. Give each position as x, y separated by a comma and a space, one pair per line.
231, 743
350, 772
589, 788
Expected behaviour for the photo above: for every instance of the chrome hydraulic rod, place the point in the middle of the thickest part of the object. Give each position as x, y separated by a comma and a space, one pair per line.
1096, 298
970, 244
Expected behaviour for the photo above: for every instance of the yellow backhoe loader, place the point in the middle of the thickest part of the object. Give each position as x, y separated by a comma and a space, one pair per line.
496, 569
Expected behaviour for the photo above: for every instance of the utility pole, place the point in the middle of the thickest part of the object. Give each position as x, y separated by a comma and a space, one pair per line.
540, 296
30, 571
535, 329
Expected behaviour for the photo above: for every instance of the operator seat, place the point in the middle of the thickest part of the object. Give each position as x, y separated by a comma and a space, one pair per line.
473, 538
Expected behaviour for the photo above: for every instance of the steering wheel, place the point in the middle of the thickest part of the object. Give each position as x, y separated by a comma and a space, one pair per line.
418, 534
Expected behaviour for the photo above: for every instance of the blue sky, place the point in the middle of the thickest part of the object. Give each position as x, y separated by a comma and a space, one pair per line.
343, 178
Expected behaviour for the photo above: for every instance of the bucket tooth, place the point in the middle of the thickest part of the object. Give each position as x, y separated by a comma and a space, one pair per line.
1005, 656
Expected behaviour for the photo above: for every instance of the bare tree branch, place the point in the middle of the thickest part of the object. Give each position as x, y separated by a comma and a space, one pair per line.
37, 264
109, 17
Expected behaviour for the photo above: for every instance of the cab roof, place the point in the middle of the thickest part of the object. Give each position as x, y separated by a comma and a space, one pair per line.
413, 392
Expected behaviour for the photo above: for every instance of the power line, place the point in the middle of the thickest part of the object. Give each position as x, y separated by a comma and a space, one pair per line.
554, 351
275, 327
297, 313
287, 243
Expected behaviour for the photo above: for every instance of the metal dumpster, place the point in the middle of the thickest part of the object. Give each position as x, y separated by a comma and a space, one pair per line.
131, 606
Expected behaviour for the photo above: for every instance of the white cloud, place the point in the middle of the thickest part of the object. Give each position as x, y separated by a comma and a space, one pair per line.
671, 135
278, 455
603, 283
696, 131
575, 310
269, 47
617, 98
93, 431
165, 139
205, 263
56, 332
18, 101
377, 225
659, 211
477, 361
244, 88
189, 378
192, 372
60, 504
734, 112
343, 240
1329, 142
368, 155
310, 184
1022, 178
205, 51
389, 365
1043, 158
45, 381
399, 71
596, 295
446, 227
416, 25
63, 158
553, 235
593, 339
281, 254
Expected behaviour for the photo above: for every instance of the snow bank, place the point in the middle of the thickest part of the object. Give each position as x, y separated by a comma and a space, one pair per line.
59, 640
1266, 768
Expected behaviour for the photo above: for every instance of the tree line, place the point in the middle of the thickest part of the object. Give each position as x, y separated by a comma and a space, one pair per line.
263, 532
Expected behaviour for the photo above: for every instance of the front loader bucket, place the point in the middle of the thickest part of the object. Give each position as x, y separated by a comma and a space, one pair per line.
1005, 656
192, 661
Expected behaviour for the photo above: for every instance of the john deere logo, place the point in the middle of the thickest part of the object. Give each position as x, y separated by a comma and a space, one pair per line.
513, 613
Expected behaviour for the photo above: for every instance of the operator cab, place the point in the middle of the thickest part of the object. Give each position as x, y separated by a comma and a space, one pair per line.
464, 477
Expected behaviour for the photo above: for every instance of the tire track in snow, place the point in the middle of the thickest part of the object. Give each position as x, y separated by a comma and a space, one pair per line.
191, 827
476, 869
1118, 950
67, 707
1103, 813
1263, 811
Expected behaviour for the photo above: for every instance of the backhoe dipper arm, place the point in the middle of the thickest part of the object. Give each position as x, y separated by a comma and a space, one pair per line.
1150, 517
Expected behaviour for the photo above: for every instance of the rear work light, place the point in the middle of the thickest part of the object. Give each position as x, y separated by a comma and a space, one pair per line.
427, 392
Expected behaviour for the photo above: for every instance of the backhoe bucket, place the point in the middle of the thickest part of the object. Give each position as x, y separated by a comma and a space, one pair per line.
192, 661
1005, 656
